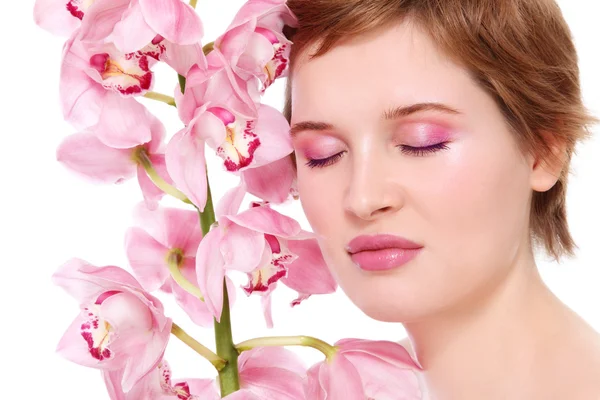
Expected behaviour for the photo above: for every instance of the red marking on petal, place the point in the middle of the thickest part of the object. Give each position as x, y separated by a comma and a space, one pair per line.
276, 66
77, 8
299, 300
97, 335
182, 390
273, 243
99, 62
134, 78
240, 146
165, 376
106, 295
77, 13
264, 277
157, 39
154, 49
224, 115
269, 34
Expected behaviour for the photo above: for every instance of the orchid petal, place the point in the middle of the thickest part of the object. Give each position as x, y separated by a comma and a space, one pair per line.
344, 380
309, 273
74, 348
85, 154
242, 248
182, 57
152, 193
147, 258
174, 228
86, 282
53, 16
101, 18
386, 351
210, 271
242, 394
230, 202
385, 381
265, 219
132, 32
175, 20
273, 130
123, 122
147, 357
187, 166
271, 182
273, 383
81, 97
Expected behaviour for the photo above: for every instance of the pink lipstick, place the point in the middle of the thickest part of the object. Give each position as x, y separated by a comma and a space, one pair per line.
381, 252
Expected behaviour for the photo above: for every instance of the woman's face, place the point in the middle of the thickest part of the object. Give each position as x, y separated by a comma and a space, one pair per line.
466, 203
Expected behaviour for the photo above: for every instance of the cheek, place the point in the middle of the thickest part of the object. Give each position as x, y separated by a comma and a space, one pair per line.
317, 197
478, 210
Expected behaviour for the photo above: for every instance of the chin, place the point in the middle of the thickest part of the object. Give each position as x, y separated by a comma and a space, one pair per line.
386, 305
389, 312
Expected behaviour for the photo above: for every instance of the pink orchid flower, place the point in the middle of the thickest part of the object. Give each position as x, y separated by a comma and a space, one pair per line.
254, 43
157, 385
132, 24
63, 17
360, 369
120, 326
97, 86
257, 243
85, 154
160, 235
218, 111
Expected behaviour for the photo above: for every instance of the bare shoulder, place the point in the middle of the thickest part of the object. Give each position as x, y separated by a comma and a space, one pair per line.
579, 361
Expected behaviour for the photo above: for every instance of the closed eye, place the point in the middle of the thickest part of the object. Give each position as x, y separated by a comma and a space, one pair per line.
416, 151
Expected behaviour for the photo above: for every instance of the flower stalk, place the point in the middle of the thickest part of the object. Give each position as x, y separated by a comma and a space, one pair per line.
161, 97
229, 379
324, 347
142, 157
174, 260
204, 351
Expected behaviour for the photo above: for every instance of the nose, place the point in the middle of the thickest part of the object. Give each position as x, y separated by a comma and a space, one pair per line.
372, 191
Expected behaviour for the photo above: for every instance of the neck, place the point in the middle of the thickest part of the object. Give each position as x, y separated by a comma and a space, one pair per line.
495, 341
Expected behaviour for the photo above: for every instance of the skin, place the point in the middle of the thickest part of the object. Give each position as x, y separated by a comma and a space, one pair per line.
480, 320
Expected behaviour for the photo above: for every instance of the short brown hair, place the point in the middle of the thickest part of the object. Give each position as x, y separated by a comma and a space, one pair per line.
520, 51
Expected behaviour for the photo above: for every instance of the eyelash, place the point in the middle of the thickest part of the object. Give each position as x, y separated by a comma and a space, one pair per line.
416, 151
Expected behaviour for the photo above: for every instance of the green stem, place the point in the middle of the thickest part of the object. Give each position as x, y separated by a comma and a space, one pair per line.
205, 352
181, 82
325, 348
207, 217
229, 379
173, 263
228, 376
208, 47
142, 157
161, 97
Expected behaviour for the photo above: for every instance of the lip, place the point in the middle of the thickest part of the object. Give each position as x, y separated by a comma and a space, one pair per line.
381, 252
379, 242
383, 260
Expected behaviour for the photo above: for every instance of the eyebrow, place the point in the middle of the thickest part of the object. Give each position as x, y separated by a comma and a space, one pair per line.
390, 114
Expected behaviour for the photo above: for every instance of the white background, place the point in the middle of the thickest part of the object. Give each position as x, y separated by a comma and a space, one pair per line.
49, 215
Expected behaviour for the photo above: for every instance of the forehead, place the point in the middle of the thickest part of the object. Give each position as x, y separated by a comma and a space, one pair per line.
395, 65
